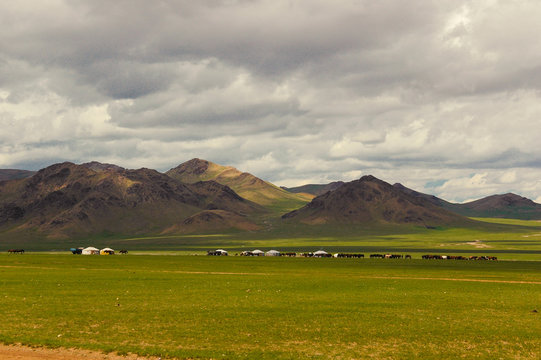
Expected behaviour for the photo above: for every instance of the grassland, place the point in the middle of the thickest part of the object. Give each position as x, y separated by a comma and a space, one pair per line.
507, 239
272, 308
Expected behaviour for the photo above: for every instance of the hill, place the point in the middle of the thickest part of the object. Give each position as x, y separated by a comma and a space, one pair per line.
67, 200
314, 189
246, 185
510, 206
370, 200
14, 174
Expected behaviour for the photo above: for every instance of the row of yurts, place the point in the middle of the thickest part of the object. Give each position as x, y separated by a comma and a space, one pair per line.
92, 251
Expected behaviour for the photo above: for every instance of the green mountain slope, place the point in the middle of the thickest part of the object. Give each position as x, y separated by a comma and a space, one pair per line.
246, 185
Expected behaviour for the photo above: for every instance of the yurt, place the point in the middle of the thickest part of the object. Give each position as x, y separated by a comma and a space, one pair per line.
321, 253
222, 252
107, 251
258, 253
90, 251
272, 253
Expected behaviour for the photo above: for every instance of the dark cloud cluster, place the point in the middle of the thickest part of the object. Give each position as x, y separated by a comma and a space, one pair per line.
421, 92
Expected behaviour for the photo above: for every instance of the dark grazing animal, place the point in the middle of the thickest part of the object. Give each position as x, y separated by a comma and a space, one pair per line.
289, 254
16, 251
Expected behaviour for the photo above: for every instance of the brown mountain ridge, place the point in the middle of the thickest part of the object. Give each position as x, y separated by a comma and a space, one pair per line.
68, 200
72, 200
370, 200
510, 206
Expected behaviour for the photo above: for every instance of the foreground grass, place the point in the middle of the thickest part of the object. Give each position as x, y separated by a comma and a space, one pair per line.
272, 308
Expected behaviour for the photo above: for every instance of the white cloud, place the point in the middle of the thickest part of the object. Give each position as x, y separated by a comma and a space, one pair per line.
414, 92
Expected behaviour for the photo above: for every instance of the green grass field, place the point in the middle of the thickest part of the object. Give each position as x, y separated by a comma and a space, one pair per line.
507, 239
273, 308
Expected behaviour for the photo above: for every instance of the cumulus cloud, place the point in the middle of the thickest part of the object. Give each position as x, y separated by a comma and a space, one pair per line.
441, 96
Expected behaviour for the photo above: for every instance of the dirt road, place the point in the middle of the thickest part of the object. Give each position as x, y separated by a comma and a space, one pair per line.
18, 352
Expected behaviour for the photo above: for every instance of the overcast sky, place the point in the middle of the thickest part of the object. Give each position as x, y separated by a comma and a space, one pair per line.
442, 96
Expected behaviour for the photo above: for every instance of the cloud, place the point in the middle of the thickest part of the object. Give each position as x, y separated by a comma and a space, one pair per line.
418, 92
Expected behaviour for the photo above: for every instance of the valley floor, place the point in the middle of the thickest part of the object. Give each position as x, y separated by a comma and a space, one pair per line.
272, 308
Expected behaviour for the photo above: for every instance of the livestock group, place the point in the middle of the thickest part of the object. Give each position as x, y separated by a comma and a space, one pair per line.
459, 257
317, 254
16, 251
324, 254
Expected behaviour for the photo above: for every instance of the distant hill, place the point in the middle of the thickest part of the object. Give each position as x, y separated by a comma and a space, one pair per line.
370, 200
65, 200
510, 206
14, 174
315, 189
246, 185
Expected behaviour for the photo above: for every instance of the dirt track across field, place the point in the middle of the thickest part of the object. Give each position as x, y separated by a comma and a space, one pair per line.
18, 352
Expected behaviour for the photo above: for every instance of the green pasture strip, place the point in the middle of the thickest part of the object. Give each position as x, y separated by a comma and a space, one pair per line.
520, 239
272, 308
529, 223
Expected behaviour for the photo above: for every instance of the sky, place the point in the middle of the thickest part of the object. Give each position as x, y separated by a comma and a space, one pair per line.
441, 96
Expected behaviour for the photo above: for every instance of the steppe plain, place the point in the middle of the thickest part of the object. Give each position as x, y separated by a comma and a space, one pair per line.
186, 305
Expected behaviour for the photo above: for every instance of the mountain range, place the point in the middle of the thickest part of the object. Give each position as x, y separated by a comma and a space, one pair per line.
508, 205
68, 200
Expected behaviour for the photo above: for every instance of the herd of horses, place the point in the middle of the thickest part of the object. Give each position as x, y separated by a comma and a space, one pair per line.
459, 257
16, 251
389, 256
383, 256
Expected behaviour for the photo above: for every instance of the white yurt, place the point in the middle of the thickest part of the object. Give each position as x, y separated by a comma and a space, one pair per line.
272, 253
90, 251
107, 251
258, 253
222, 252
321, 253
